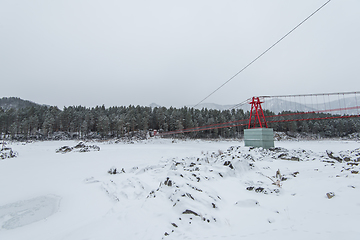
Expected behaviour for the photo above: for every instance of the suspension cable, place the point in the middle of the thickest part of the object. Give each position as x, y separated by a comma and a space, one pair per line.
311, 94
263, 53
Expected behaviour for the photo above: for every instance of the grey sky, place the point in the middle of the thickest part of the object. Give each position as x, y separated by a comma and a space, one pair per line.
115, 52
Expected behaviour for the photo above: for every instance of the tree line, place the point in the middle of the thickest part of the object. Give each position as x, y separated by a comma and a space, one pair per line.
47, 122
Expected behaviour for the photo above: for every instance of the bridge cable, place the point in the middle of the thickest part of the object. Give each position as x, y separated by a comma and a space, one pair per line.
263, 53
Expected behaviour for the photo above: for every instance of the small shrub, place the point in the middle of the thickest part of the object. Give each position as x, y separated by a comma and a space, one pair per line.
112, 171
7, 153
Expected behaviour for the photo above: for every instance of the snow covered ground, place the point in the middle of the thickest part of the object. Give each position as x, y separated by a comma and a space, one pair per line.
165, 189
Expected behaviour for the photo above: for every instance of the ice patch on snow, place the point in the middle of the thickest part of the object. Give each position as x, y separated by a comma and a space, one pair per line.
22, 213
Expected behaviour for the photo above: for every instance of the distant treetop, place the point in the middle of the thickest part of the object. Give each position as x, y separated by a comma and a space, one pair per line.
16, 103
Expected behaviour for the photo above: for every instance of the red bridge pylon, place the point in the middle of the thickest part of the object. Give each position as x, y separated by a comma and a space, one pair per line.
257, 118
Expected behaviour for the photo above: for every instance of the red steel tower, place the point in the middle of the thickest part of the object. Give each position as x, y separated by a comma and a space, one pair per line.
257, 118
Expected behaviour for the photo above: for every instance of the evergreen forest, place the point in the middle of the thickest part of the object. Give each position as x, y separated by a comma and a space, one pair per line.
78, 122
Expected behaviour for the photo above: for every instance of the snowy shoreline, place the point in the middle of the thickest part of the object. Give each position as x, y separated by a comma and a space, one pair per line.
175, 189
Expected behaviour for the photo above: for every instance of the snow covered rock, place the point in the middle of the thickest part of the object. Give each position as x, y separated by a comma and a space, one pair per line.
330, 195
189, 191
80, 147
7, 153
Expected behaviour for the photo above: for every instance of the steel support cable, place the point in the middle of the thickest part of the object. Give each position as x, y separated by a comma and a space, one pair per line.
356, 103
310, 94
311, 119
239, 122
244, 124
240, 104
312, 112
207, 127
339, 103
197, 130
263, 53
298, 95
346, 112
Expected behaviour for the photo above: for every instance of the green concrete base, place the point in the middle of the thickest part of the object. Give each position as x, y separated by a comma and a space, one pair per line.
259, 137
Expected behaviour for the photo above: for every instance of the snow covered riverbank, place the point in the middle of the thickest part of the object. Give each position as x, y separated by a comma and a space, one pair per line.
166, 189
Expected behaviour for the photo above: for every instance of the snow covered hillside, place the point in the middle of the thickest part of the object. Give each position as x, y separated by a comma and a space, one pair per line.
172, 189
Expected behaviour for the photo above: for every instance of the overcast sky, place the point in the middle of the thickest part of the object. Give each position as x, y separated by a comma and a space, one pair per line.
115, 52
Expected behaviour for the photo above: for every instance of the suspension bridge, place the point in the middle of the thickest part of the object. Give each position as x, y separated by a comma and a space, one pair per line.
266, 110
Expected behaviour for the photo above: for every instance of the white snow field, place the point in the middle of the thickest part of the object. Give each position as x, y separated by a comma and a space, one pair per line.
172, 189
